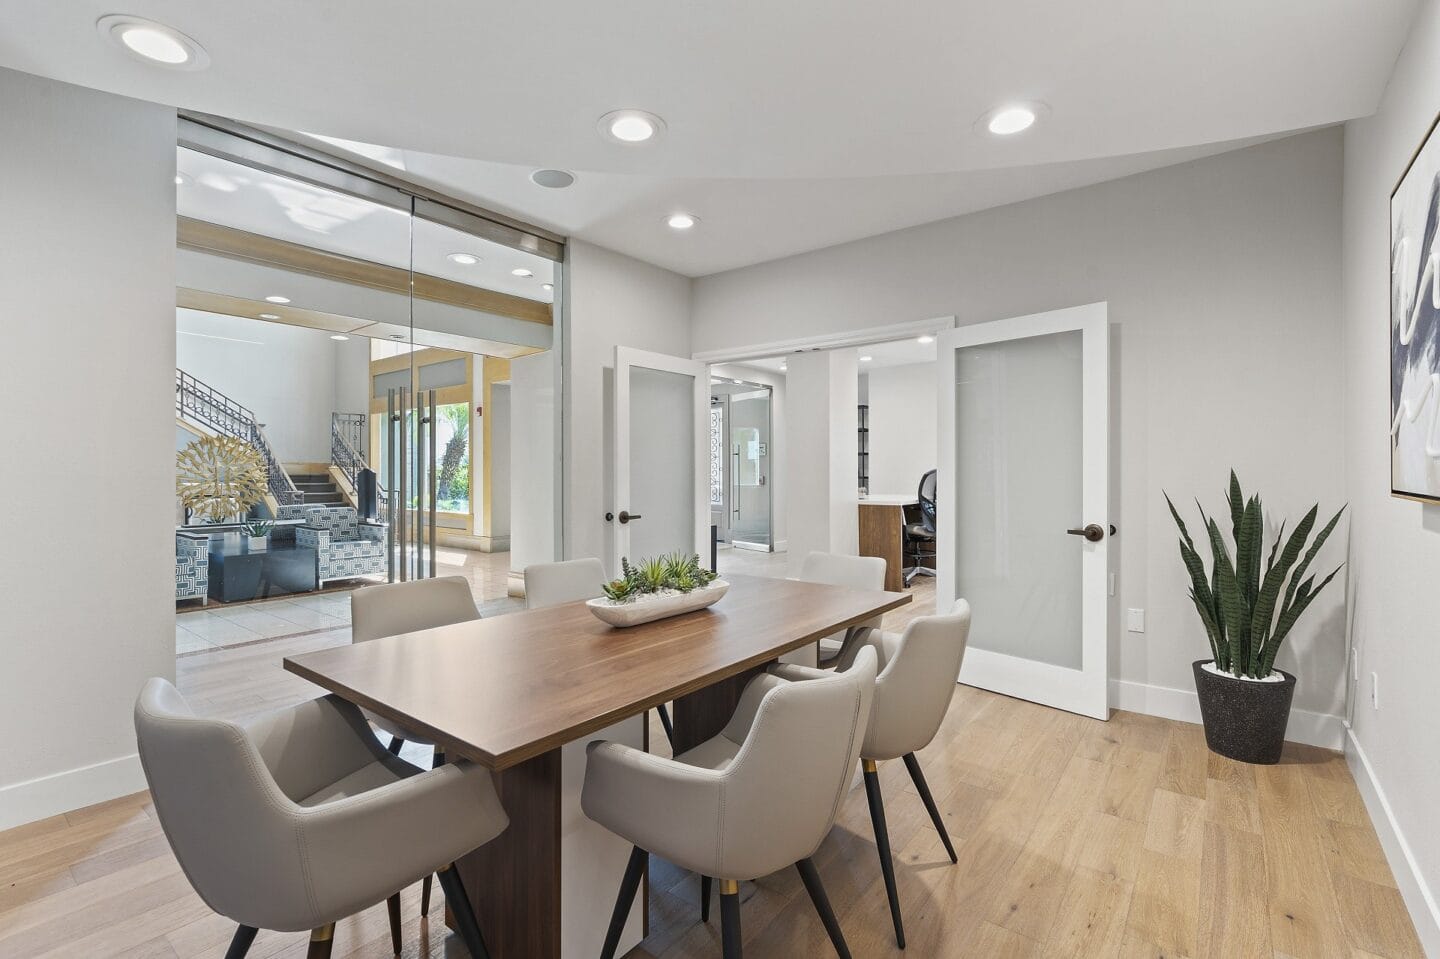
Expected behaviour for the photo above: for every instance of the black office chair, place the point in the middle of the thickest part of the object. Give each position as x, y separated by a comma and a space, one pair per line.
920, 535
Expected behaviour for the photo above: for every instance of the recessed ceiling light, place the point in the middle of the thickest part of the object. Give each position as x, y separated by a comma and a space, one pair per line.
552, 179
269, 316
548, 287
681, 221
1012, 118
181, 179
153, 42
397, 336
277, 299
927, 338
866, 359
464, 259
631, 126
339, 336
738, 382
521, 271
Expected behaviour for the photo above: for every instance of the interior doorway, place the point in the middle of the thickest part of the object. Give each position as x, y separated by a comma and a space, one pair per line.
742, 453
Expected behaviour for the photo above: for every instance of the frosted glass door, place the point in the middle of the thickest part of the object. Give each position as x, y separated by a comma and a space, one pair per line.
750, 468
1023, 503
662, 449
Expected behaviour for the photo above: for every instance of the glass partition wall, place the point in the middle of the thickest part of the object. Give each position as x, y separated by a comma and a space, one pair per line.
438, 385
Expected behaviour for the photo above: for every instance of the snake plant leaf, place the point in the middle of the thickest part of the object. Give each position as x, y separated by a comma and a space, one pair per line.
1184, 533
1212, 630
1232, 598
1247, 550
1288, 618
1237, 505
1275, 577
1310, 553
1279, 535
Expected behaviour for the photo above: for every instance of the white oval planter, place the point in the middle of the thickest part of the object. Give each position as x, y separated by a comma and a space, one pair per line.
647, 609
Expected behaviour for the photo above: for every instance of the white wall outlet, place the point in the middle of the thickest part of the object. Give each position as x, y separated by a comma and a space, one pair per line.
1374, 690
1135, 620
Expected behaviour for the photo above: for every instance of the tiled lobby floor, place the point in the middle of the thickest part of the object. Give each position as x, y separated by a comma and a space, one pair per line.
203, 629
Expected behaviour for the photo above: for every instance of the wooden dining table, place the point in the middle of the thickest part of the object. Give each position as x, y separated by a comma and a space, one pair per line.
521, 694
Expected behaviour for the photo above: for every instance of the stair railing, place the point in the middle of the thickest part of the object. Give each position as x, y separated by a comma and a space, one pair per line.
203, 404
347, 432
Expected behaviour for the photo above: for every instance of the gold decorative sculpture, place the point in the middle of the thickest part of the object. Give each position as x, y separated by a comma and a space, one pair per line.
218, 477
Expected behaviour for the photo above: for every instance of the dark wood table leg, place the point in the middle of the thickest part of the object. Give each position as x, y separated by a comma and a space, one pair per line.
513, 881
704, 713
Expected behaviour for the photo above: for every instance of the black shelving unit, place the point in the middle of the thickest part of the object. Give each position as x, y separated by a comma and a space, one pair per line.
864, 420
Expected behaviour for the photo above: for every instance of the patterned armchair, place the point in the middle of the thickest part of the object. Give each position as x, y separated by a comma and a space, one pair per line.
192, 566
344, 546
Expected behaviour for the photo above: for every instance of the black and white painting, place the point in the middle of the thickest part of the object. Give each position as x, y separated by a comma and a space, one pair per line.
1415, 327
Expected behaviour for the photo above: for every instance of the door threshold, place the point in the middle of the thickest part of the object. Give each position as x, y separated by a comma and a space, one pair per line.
756, 547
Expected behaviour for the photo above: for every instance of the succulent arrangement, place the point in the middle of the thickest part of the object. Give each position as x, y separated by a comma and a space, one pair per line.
1239, 600
673, 571
256, 530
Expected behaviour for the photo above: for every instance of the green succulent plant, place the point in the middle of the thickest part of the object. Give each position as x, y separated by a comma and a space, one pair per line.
258, 529
672, 571
1240, 602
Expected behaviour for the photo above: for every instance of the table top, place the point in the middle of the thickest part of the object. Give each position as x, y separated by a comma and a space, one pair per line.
889, 499
502, 690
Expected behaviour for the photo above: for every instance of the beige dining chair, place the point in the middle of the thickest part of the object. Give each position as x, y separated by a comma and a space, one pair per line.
758, 797
550, 584
919, 669
855, 572
298, 818
391, 609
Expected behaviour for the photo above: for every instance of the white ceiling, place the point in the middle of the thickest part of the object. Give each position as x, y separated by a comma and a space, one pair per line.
789, 126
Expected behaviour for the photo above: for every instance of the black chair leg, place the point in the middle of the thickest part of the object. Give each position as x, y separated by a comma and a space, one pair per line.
704, 898
437, 760
394, 905
395, 743
665, 721
464, 913
811, 877
918, 778
882, 844
730, 919
240, 945
634, 870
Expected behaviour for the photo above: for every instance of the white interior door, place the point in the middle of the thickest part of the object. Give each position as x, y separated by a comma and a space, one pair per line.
661, 456
1023, 528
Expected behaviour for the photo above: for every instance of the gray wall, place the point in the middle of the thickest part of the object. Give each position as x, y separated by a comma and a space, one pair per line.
1395, 544
614, 300
1222, 277
87, 316
903, 430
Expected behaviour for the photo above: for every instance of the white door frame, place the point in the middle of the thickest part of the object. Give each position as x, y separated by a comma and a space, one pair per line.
1086, 690
625, 358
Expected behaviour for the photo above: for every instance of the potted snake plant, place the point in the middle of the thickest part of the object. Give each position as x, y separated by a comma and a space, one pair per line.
1248, 609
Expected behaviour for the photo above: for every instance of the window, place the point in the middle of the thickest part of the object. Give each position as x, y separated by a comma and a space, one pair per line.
452, 458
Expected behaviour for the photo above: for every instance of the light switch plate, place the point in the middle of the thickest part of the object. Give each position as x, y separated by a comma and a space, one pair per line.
1135, 620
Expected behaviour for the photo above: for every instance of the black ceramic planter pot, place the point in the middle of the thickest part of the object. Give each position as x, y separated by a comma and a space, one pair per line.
1244, 720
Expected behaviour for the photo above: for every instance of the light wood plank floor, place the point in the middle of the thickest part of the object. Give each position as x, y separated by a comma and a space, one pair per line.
1076, 838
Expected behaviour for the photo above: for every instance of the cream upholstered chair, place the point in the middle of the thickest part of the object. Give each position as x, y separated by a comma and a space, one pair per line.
299, 818
550, 584
394, 608
919, 669
856, 572
759, 797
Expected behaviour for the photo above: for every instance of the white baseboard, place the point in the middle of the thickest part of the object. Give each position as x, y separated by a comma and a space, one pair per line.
1313, 729
782, 545
1419, 899
61, 792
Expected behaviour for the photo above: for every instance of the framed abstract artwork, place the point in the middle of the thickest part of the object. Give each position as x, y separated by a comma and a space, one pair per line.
1415, 326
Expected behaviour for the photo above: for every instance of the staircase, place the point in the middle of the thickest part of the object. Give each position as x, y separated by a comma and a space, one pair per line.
318, 489
199, 405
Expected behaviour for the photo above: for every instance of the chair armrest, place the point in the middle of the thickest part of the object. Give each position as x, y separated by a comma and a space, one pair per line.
655, 803
313, 536
366, 847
